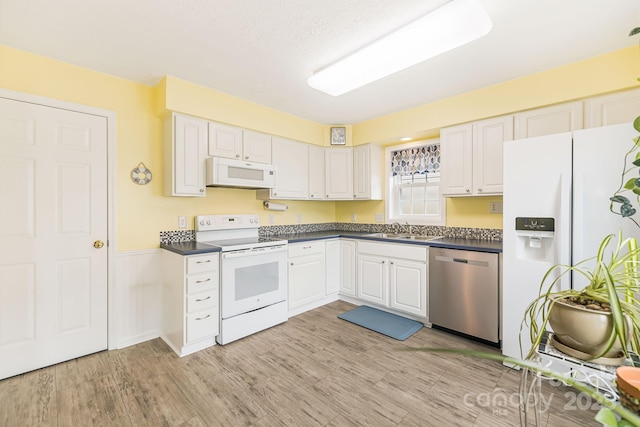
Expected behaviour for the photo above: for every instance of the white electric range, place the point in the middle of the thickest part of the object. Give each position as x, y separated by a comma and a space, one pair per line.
253, 274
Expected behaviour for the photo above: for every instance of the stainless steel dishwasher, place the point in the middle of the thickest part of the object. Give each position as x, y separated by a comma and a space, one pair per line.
463, 292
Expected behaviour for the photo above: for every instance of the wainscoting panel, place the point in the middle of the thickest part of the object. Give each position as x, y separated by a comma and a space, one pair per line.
138, 287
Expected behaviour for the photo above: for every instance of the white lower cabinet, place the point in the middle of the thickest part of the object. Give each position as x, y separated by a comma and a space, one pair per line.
393, 276
307, 275
332, 267
190, 318
347, 267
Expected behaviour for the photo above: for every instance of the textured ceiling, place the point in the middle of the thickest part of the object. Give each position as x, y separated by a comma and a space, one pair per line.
264, 50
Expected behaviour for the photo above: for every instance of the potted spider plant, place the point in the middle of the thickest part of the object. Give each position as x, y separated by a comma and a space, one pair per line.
598, 321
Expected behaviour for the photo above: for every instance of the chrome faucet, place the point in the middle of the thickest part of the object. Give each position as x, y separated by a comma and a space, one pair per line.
398, 228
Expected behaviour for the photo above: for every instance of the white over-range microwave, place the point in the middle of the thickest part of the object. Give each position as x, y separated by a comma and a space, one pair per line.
223, 172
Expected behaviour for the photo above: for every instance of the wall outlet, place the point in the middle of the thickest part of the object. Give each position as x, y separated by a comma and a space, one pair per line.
495, 207
353, 217
379, 217
182, 222
272, 219
299, 218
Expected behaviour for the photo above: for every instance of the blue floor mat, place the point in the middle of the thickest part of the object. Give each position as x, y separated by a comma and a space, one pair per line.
388, 324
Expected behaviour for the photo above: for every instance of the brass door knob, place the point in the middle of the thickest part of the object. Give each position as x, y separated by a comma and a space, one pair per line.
98, 244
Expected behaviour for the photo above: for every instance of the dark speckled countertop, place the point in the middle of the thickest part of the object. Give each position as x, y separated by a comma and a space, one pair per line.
190, 248
194, 248
493, 246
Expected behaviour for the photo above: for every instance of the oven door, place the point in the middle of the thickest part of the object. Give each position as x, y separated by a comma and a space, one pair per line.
252, 279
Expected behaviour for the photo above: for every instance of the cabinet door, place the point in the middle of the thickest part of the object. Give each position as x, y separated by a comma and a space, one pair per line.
367, 172
408, 286
612, 109
306, 279
316, 172
256, 147
291, 160
332, 259
225, 141
372, 279
456, 148
339, 173
189, 156
361, 172
488, 138
549, 120
348, 267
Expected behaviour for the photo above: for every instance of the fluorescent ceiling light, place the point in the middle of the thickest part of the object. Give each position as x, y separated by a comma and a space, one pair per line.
452, 25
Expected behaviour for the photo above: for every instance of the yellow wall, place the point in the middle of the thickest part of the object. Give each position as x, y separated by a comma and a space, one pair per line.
595, 76
606, 73
143, 211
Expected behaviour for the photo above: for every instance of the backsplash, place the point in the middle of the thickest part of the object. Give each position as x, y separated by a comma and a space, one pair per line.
177, 236
450, 232
271, 230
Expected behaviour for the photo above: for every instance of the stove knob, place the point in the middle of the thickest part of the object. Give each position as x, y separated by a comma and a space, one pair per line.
202, 222
208, 222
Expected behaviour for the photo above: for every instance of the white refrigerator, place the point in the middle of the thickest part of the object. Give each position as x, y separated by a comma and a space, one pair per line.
556, 191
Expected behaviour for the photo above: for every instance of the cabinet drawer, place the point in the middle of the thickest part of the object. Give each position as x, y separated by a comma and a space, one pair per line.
202, 324
202, 300
198, 264
306, 248
403, 251
202, 281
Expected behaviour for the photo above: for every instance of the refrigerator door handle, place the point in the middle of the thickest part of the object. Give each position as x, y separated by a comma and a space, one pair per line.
563, 232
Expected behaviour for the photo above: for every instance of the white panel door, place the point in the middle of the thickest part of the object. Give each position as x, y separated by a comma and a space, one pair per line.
408, 286
306, 280
53, 207
225, 141
291, 160
316, 172
456, 148
372, 279
548, 120
488, 139
338, 163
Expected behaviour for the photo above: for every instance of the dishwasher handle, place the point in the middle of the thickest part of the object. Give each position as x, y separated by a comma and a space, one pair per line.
462, 261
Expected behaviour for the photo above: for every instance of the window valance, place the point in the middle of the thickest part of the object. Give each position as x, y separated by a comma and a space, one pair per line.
417, 160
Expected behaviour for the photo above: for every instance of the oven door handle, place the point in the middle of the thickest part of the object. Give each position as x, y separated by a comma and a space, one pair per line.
255, 251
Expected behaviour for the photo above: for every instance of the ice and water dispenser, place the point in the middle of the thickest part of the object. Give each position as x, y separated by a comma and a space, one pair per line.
535, 238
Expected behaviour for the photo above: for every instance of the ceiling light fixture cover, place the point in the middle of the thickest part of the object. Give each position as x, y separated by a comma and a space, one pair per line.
448, 27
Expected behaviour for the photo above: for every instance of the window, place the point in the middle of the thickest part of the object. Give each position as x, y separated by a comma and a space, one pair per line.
413, 176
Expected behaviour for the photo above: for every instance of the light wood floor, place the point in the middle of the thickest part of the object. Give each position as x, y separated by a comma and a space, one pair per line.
314, 370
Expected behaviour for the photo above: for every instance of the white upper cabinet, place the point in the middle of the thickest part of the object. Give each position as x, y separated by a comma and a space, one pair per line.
338, 164
316, 172
488, 138
472, 157
612, 109
256, 147
367, 172
235, 143
549, 120
456, 151
225, 141
185, 153
291, 161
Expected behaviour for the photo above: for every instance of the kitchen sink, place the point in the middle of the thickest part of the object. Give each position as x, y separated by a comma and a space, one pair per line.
403, 236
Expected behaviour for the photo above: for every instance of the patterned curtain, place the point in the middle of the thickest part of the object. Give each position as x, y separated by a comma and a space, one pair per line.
416, 160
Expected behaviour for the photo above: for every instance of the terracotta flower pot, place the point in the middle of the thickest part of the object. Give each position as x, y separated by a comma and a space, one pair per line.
584, 329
